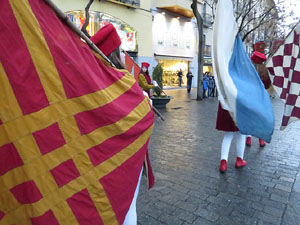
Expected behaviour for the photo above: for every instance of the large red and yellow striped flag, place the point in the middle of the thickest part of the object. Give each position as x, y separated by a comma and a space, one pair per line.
73, 131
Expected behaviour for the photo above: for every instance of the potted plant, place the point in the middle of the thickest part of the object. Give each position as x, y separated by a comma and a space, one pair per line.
159, 100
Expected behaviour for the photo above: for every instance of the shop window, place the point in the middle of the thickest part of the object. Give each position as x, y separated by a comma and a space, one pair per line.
97, 20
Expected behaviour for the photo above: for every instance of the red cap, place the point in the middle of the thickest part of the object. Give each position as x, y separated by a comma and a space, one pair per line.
107, 39
258, 57
145, 64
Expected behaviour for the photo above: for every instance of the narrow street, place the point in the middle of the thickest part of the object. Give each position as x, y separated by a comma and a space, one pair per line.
189, 189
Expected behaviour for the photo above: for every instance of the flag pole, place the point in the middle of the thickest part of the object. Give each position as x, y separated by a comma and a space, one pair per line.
64, 18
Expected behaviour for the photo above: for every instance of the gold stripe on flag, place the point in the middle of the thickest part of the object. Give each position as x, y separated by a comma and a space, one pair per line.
40, 165
9, 106
64, 214
37, 46
47, 202
102, 204
69, 107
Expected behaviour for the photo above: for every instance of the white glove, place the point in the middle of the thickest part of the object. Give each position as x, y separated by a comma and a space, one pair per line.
155, 83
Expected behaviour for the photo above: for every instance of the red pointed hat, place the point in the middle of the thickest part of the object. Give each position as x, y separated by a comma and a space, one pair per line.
145, 64
258, 57
107, 39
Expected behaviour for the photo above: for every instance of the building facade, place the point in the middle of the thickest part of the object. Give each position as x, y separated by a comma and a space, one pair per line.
155, 31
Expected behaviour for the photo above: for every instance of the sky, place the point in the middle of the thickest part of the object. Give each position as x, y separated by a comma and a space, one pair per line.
294, 6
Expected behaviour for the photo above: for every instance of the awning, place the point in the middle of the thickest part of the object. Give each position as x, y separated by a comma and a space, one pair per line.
172, 57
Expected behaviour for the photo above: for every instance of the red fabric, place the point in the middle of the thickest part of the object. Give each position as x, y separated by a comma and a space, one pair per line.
23, 78
65, 172
26, 192
125, 176
45, 219
1, 122
84, 209
49, 138
132, 67
259, 47
145, 64
9, 158
72, 62
107, 39
258, 57
90, 120
110, 147
224, 120
150, 174
1, 215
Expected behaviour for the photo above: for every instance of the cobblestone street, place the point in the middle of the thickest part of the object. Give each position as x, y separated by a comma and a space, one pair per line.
189, 189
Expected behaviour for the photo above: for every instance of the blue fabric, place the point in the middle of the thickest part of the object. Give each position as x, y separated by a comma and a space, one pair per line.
254, 111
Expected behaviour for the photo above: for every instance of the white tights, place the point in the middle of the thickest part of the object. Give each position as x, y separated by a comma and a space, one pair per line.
131, 217
240, 144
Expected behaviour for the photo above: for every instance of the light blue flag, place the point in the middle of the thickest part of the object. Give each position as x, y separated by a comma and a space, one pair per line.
240, 88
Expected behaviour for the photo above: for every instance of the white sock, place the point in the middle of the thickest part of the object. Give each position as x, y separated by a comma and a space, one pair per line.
226, 145
240, 145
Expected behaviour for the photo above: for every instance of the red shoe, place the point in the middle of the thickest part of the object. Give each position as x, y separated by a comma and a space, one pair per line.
240, 163
262, 143
248, 141
223, 166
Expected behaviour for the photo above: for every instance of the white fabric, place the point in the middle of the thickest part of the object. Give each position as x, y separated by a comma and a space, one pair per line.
240, 144
131, 217
224, 32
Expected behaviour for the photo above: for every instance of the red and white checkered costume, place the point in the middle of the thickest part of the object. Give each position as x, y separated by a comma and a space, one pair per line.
284, 71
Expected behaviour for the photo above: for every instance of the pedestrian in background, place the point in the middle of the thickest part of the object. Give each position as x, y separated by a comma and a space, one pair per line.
189, 77
226, 124
179, 74
205, 85
211, 85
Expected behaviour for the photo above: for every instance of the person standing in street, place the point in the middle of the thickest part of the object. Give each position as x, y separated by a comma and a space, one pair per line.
179, 74
226, 124
189, 77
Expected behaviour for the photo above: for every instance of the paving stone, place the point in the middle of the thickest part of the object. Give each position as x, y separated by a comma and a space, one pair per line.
189, 189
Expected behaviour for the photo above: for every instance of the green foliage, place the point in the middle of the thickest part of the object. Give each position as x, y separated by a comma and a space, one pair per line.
157, 76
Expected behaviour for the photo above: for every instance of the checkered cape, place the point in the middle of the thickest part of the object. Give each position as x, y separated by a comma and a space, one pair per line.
74, 131
284, 71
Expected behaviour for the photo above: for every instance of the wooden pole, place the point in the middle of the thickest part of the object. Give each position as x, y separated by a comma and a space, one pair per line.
64, 18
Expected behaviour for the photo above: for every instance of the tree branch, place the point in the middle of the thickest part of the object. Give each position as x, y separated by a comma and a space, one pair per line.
87, 18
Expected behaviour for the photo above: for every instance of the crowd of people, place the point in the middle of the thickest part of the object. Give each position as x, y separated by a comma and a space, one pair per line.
209, 85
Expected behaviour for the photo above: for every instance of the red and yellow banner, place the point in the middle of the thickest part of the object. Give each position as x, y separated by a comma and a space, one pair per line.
73, 131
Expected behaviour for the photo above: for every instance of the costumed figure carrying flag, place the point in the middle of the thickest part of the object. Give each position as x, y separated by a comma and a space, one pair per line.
245, 107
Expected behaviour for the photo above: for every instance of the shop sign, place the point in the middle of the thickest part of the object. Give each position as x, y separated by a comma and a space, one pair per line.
97, 20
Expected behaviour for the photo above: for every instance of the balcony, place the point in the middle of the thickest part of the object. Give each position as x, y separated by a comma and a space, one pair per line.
207, 20
180, 7
128, 3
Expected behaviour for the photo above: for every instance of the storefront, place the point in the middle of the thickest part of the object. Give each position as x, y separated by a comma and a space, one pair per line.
172, 66
174, 41
97, 20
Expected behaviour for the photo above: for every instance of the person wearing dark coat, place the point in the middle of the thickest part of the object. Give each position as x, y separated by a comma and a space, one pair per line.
179, 74
189, 77
226, 124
